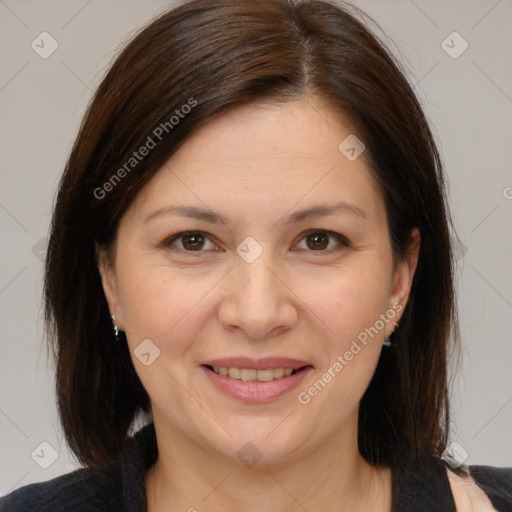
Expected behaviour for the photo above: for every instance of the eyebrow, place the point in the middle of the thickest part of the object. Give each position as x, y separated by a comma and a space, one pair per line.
195, 212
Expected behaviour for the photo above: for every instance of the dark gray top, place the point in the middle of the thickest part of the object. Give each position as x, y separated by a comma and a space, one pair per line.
119, 487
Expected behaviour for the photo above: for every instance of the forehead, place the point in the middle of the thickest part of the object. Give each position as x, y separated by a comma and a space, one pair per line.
265, 156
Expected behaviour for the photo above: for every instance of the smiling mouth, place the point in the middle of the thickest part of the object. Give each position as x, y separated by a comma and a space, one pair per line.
251, 375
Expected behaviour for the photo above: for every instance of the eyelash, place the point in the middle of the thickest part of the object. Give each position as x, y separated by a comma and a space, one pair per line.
344, 242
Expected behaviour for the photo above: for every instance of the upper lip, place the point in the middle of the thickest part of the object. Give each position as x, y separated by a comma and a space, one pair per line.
265, 363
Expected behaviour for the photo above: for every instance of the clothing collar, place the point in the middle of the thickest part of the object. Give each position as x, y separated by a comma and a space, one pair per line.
139, 455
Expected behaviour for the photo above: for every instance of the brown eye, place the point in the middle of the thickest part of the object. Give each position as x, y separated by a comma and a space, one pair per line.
323, 241
193, 242
189, 241
317, 241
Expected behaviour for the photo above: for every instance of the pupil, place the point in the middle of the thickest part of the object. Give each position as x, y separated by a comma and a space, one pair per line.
194, 241
317, 241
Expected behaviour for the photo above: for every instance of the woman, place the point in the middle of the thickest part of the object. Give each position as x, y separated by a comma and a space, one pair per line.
250, 253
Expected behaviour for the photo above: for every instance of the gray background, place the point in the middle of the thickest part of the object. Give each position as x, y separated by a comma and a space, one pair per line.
468, 100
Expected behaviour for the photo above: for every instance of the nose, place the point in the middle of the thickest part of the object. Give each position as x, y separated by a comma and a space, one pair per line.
257, 300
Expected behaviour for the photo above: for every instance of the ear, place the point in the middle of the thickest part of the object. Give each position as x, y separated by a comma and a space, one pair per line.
108, 280
404, 273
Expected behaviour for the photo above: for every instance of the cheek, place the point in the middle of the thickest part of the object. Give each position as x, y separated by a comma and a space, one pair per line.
352, 305
348, 301
353, 310
160, 305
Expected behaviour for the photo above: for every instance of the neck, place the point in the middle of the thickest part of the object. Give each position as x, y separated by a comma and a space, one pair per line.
332, 477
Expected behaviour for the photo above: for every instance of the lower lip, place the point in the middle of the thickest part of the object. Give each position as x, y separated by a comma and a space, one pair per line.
256, 391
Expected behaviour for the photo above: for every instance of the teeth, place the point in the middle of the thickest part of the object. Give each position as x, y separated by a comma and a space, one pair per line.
234, 373
264, 375
249, 375
278, 373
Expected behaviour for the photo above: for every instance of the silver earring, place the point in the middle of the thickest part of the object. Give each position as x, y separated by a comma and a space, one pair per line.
387, 341
116, 330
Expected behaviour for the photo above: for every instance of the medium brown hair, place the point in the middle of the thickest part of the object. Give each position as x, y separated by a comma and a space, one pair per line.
218, 55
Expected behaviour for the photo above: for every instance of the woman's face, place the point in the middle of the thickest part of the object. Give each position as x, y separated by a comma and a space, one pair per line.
297, 275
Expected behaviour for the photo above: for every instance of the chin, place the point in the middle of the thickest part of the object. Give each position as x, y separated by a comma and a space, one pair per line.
255, 445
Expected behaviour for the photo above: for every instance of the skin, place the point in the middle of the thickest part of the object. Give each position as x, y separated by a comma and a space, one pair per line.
256, 166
